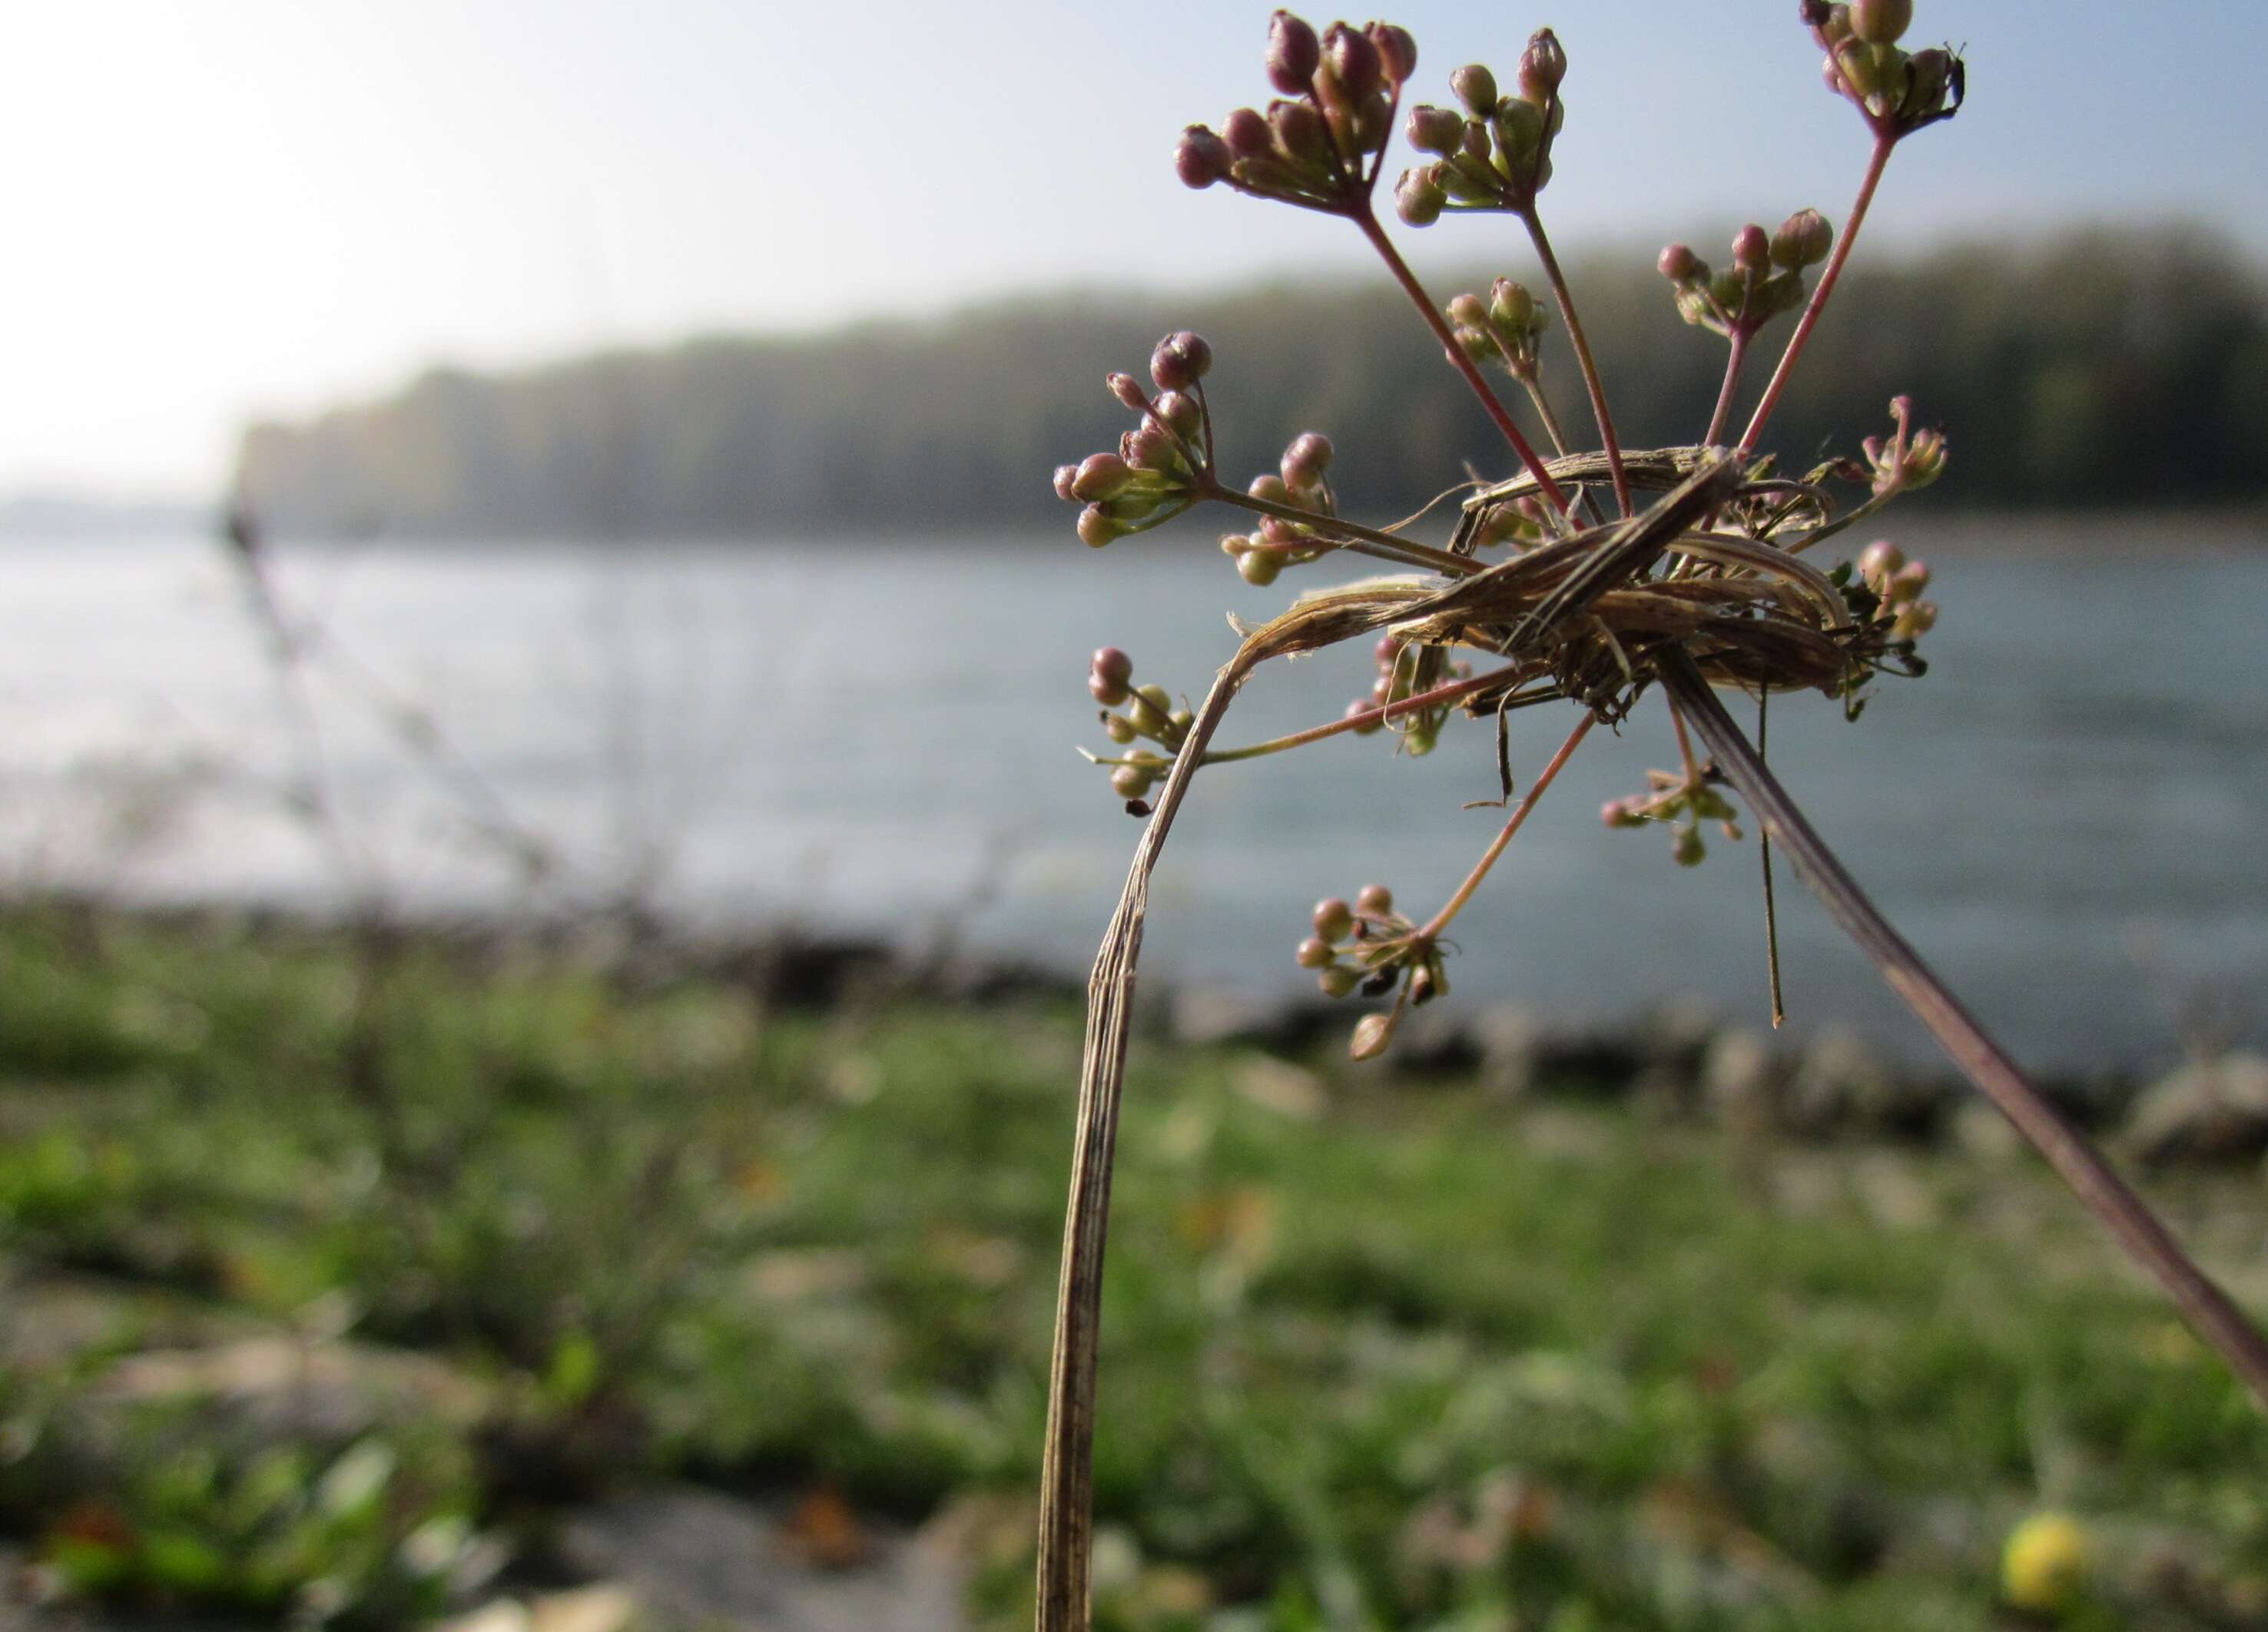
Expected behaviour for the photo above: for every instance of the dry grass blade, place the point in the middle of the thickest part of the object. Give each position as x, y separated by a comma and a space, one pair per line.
1066, 1480
2215, 1317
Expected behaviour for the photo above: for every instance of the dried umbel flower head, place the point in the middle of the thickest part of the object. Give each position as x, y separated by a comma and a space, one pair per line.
1711, 573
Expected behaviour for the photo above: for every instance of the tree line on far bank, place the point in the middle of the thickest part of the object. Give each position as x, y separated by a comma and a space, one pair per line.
2100, 369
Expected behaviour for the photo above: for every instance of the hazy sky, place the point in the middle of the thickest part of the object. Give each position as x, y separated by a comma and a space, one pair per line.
236, 207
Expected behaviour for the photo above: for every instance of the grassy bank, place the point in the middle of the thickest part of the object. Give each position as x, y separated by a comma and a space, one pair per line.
1379, 1351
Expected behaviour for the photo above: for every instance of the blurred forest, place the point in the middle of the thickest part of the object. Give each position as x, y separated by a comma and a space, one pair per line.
2107, 368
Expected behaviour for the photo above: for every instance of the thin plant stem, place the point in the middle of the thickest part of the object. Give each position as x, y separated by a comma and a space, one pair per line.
2210, 1313
1355, 536
1382, 715
1883, 145
1366, 219
1740, 353
1559, 437
1592, 382
1685, 748
1456, 903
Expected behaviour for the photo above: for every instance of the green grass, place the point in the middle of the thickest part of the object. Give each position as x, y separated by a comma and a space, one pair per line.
1414, 1360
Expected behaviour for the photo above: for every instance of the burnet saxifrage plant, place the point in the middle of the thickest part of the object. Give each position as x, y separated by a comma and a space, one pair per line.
1588, 577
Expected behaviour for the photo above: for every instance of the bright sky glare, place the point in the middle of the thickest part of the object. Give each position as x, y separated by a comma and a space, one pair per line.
243, 207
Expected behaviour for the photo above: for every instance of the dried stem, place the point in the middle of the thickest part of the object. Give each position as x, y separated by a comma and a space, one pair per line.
2209, 1312
1883, 145
1366, 219
1765, 848
1067, 1474
1592, 383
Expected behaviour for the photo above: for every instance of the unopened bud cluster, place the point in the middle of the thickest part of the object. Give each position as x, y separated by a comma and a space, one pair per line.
1898, 92
1366, 947
1764, 280
1149, 713
1898, 584
1404, 671
1504, 328
1302, 480
1163, 463
1683, 801
1317, 145
1495, 154
1908, 460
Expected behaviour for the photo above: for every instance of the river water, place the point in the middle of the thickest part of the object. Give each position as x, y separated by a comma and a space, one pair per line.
2066, 815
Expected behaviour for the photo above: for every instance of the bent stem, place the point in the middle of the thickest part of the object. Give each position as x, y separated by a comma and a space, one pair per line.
1456, 903
1884, 144
2209, 1312
1067, 1472
1366, 219
1592, 382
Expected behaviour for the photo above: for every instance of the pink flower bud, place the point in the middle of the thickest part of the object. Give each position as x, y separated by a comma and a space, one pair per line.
1180, 361
1293, 54
1129, 390
1751, 248
1247, 133
1475, 88
1270, 488
1096, 529
1397, 51
1542, 66
1112, 665
1314, 953
1101, 477
1434, 129
1373, 901
1879, 560
1803, 240
1300, 133
1418, 199
1064, 476
1366, 714
1149, 446
1353, 61
1181, 411
1334, 919
1307, 459
1680, 265
1201, 157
